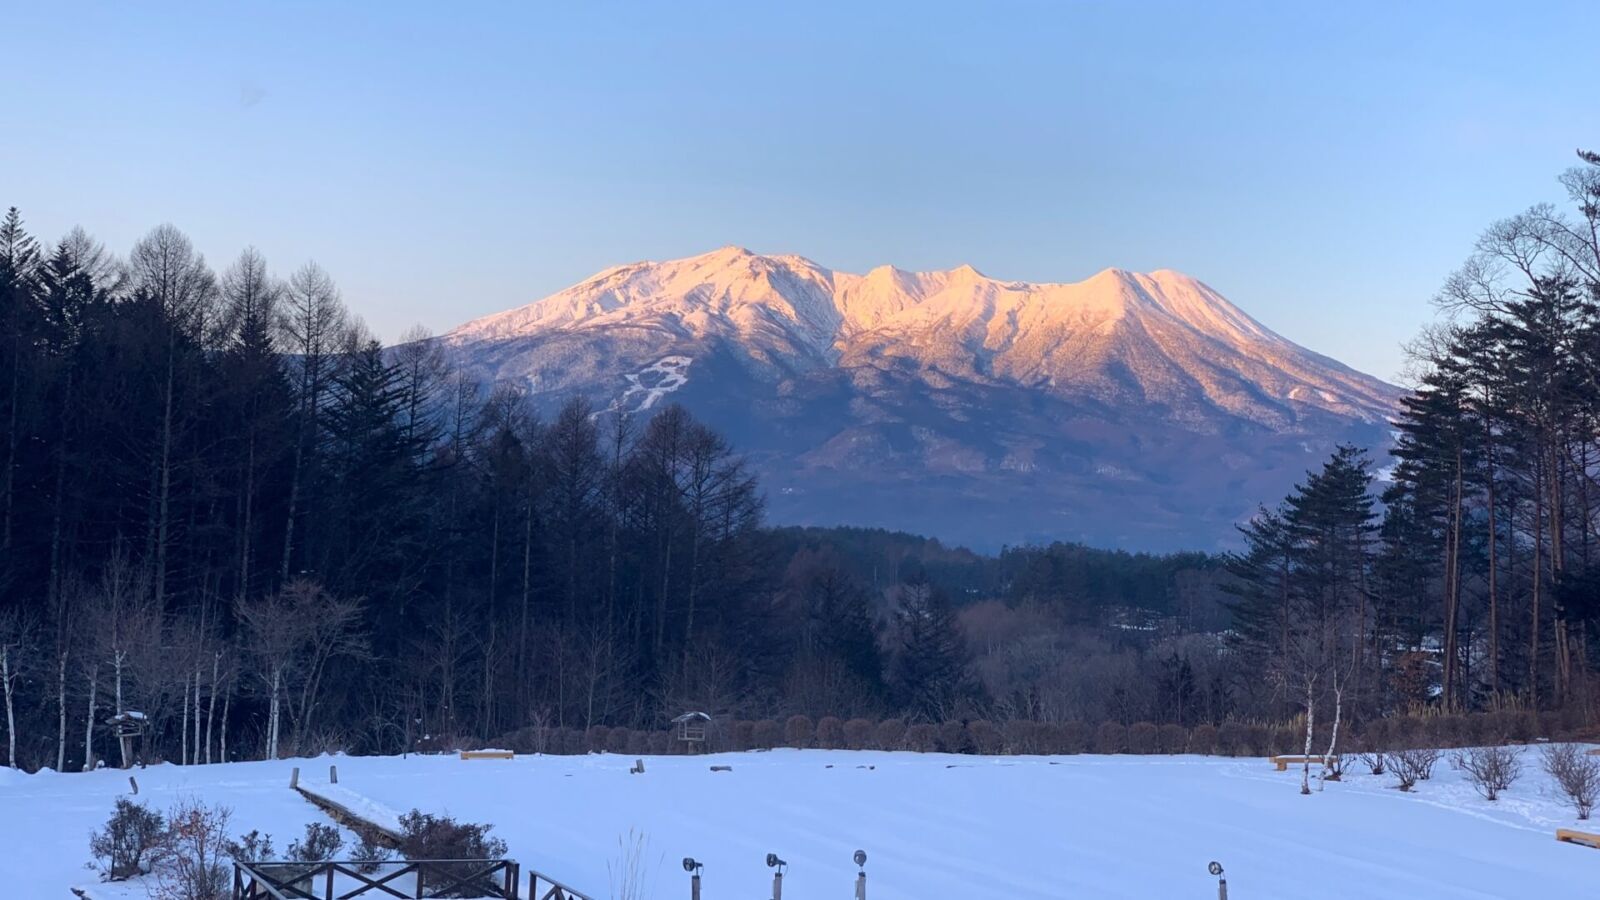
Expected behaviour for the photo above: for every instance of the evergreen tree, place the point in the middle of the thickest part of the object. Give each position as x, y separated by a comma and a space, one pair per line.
930, 675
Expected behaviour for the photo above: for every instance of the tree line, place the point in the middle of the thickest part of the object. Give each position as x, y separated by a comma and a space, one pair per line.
224, 505
229, 512
1463, 574
227, 509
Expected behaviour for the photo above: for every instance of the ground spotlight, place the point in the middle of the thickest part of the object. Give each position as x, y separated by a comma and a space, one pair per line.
1215, 868
773, 862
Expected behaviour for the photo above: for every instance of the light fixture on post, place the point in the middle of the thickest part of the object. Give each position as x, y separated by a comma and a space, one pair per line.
693, 868
1222, 880
778, 865
861, 876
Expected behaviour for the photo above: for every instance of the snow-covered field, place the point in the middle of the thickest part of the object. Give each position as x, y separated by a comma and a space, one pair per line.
934, 826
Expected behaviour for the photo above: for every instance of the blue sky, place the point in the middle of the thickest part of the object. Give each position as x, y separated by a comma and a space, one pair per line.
1324, 167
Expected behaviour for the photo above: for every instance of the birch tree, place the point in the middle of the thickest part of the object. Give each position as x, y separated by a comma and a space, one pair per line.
16, 636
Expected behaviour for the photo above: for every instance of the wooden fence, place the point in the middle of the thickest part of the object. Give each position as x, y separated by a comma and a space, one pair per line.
481, 879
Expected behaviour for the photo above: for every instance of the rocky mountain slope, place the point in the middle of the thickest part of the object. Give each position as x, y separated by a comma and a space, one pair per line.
1136, 410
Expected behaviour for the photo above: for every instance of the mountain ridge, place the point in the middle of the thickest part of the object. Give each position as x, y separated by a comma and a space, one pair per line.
892, 380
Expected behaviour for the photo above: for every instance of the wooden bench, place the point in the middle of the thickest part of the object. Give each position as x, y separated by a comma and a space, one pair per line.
1568, 836
488, 754
1284, 762
1593, 751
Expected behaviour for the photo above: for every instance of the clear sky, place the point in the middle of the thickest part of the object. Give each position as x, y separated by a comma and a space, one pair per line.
1323, 165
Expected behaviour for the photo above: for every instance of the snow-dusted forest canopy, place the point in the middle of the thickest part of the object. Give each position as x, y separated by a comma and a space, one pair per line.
227, 508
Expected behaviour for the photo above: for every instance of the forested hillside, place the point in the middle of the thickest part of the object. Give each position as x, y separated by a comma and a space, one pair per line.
227, 508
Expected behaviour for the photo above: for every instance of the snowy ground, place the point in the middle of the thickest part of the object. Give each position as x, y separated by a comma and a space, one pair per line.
934, 826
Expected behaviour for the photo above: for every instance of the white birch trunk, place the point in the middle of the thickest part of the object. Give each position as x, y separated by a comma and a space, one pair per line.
117, 661
211, 702
1311, 719
183, 751
88, 720
273, 713
11, 713
61, 712
196, 746
1333, 739
227, 703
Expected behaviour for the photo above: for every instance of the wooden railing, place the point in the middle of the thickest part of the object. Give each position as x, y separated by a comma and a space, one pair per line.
553, 889
500, 879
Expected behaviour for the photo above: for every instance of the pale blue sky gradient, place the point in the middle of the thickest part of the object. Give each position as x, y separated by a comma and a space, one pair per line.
1324, 166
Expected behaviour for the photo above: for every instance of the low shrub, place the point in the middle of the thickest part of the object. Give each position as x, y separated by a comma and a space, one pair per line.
984, 737
252, 847
1412, 765
1576, 774
617, 740
1203, 739
425, 836
1142, 738
859, 734
1232, 739
799, 732
1074, 737
1489, 769
369, 853
1257, 741
953, 737
891, 734
1021, 737
922, 738
830, 733
1173, 738
1375, 760
131, 837
639, 743
319, 844
766, 735
1111, 737
193, 863
1285, 741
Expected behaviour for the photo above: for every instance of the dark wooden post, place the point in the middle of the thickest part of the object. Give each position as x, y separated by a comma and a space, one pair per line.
419, 883
330, 881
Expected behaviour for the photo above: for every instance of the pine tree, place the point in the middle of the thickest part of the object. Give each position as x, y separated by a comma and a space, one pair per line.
930, 665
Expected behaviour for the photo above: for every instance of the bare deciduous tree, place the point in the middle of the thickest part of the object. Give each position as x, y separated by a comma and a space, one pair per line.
16, 636
293, 635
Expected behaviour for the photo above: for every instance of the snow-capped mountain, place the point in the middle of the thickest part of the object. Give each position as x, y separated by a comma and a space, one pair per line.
1142, 410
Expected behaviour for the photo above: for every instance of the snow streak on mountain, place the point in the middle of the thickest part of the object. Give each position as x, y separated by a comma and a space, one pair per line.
1140, 410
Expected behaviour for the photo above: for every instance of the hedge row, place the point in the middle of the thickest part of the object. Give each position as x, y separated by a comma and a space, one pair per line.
1022, 737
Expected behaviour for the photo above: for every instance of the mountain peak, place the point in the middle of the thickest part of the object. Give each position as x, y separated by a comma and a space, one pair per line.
1036, 402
